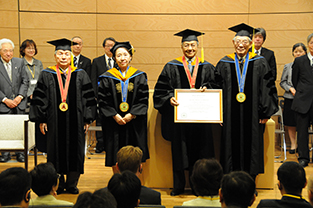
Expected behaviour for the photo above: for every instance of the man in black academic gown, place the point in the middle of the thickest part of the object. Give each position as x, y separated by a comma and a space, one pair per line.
190, 141
246, 106
64, 105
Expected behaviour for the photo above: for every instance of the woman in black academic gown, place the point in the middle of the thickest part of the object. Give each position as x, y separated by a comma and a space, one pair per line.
123, 101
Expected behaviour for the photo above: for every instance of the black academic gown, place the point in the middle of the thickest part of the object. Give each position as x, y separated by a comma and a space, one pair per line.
133, 133
242, 142
190, 141
65, 135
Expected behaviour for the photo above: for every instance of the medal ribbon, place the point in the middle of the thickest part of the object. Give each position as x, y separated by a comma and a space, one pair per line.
241, 77
124, 86
192, 80
64, 91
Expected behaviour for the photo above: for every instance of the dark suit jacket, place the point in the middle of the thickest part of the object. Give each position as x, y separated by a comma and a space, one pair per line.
84, 63
302, 79
285, 202
98, 67
18, 85
270, 58
149, 196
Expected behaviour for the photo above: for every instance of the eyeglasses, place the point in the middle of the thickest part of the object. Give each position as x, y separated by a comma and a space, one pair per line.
30, 49
192, 45
8, 50
242, 41
108, 46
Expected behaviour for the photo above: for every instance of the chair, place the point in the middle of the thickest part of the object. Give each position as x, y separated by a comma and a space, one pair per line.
17, 135
89, 141
281, 132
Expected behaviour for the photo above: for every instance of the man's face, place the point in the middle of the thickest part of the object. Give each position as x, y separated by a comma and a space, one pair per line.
310, 46
6, 52
107, 47
242, 45
258, 40
77, 48
190, 48
63, 58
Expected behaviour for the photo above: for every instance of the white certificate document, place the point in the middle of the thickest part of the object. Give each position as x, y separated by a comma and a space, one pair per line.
198, 107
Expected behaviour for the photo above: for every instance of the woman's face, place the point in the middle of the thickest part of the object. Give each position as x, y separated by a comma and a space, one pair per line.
122, 57
30, 50
298, 52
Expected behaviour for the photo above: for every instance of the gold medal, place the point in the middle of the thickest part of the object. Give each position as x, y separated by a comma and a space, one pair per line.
63, 106
124, 106
241, 97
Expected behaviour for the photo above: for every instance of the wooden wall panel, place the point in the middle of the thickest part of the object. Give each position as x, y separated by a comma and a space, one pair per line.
10, 33
286, 38
281, 22
79, 6
257, 6
56, 22
176, 6
41, 36
173, 23
9, 19
8, 5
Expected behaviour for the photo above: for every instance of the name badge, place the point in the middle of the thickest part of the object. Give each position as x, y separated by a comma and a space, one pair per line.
33, 81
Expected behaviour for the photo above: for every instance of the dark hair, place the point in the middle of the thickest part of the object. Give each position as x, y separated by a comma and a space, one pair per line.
25, 44
109, 38
206, 177
100, 198
126, 188
261, 32
44, 176
299, 45
237, 188
14, 184
292, 176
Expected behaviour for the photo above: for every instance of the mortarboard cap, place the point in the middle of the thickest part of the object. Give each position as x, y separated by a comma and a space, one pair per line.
243, 30
189, 35
126, 45
62, 44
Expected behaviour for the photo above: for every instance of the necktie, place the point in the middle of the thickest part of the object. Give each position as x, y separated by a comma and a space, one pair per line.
190, 67
109, 63
257, 52
240, 64
312, 62
75, 61
9, 70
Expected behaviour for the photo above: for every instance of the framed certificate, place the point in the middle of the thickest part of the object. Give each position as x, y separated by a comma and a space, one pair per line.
198, 107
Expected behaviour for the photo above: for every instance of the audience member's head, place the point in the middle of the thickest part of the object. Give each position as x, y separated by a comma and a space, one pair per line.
129, 158
101, 198
206, 177
126, 188
15, 186
291, 178
310, 189
45, 179
237, 189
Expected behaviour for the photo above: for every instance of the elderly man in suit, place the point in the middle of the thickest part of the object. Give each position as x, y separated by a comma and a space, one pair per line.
13, 87
302, 79
80, 61
100, 65
259, 39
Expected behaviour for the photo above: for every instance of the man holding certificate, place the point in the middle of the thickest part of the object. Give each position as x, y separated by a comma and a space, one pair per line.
249, 100
190, 141
64, 104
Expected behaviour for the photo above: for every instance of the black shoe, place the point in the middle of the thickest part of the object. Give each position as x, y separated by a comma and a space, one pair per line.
292, 151
72, 190
60, 191
20, 157
303, 163
99, 149
5, 158
176, 192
